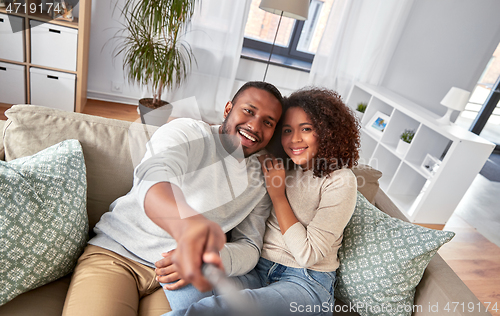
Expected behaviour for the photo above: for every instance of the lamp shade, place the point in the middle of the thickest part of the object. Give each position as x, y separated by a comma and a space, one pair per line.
296, 9
456, 99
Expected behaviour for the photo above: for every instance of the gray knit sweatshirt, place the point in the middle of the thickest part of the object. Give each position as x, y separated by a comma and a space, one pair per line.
227, 189
323, 207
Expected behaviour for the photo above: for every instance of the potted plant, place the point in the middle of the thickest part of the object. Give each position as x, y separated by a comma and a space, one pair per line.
404, 141
360, 110
154, 53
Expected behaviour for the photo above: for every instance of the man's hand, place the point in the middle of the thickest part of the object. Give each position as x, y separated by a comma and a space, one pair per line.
166, 272
200, 241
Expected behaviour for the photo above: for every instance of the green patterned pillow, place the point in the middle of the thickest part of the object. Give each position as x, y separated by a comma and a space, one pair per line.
382, 260
43, 217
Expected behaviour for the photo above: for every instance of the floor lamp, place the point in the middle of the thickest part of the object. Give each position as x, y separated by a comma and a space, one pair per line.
295, 9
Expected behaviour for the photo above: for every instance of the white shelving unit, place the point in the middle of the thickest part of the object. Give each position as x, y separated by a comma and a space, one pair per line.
60, 48
423, 197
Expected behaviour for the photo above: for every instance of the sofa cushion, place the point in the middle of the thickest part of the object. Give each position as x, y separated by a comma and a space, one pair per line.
382, 260
367, 178
43, 218
109, 153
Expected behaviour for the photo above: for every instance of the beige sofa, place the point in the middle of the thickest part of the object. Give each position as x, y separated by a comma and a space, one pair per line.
109, 162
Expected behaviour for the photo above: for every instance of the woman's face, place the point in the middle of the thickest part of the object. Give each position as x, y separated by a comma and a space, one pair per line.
298, 137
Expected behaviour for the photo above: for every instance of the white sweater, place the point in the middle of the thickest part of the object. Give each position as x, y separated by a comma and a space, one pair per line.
227, 190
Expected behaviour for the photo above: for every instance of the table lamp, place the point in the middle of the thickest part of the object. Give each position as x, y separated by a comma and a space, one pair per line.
455, 99
295, 9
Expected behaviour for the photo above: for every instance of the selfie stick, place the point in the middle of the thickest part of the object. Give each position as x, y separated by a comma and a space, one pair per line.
223, 286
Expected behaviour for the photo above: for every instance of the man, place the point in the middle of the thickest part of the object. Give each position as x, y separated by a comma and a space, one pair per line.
195, 183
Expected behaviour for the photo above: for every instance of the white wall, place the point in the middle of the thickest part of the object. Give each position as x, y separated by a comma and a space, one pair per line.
103, 69
445, 43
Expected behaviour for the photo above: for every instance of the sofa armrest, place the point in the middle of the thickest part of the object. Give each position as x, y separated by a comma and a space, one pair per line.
441, 288
2, 151
440, 284
385, 204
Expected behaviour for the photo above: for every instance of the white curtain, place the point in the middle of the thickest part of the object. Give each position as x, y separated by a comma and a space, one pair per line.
358, 43
216, 38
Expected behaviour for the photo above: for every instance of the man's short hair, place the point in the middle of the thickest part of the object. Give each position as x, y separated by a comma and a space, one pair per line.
262, 86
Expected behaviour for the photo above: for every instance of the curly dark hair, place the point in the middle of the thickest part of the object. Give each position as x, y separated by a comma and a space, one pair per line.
335, 124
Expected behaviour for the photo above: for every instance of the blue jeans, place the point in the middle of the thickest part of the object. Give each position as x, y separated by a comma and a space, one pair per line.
269, 289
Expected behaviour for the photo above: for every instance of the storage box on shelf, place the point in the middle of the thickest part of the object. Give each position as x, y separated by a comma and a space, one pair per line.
45, 38
12, 43
46, 84
426, 195
59, 47
12, 83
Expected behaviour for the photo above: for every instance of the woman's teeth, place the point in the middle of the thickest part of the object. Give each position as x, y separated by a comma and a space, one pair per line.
298, 150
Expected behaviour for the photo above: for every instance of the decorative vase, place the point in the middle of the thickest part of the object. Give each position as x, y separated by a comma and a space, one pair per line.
402, 147
359, 115
154, 116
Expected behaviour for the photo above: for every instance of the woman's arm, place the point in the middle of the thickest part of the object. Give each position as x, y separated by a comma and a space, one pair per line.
312, 242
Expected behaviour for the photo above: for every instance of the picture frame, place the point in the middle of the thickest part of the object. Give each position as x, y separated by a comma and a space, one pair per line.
430, 164
378, 123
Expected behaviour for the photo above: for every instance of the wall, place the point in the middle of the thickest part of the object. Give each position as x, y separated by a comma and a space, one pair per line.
103, 68
445, 43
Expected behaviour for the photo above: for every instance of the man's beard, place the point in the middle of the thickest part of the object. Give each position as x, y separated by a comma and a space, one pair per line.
224, 125
230, 142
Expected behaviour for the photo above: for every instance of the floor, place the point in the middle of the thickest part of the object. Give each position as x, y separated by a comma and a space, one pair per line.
474, 258
491, 169
480, 207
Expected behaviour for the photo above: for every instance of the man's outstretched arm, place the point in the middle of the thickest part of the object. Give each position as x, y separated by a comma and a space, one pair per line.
242, 252
198, 239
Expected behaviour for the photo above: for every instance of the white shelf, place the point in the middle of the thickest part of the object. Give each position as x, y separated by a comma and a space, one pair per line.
423, 197
418, 169
52, 50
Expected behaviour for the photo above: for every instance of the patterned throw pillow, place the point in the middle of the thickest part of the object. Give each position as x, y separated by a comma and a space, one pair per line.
43, 217
382, 260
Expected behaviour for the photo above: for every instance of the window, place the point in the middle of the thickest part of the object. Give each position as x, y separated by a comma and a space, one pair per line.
296, 39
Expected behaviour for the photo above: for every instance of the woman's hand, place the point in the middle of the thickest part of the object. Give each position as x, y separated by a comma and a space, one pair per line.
274, 175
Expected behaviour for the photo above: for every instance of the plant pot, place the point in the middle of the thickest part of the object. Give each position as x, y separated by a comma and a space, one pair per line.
402, 147
359, 115
154, 116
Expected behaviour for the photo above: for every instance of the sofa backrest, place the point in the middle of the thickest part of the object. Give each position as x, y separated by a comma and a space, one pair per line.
106, 146
112, 148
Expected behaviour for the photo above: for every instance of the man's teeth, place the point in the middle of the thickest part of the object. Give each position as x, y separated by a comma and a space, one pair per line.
242, 132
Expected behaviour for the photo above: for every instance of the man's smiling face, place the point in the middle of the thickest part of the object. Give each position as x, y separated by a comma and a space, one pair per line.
251, 120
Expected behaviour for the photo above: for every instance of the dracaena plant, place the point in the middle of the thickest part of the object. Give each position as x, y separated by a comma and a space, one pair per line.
150, 40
